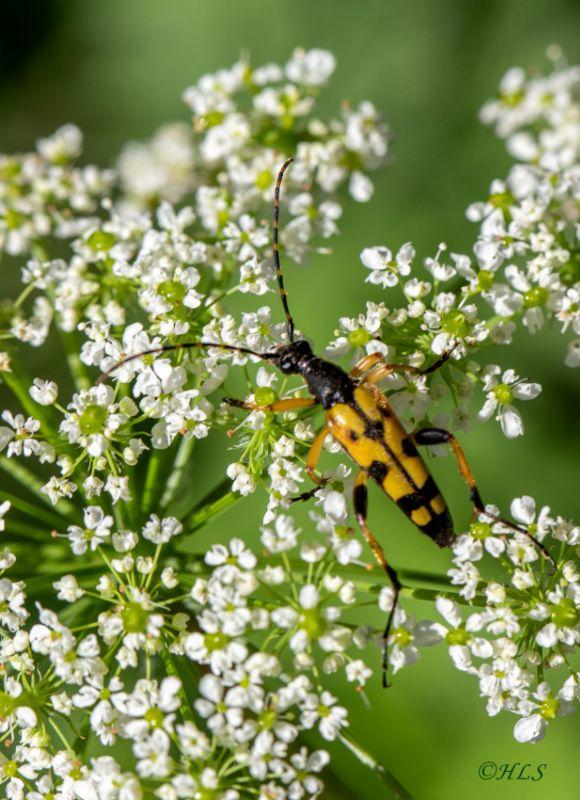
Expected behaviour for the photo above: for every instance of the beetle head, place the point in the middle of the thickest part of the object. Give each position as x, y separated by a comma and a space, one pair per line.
291, 358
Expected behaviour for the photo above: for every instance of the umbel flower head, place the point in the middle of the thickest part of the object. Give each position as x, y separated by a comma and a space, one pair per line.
210, 666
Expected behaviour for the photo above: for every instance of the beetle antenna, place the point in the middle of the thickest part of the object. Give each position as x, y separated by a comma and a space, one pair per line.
182, 346
283, 294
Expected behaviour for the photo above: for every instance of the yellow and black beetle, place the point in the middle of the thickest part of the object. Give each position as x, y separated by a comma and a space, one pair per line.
359, 417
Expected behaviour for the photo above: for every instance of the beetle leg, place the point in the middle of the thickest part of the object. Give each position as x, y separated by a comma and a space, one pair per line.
433, 436
381, 370
314, 456
287, 404
311, 463
360, 511
365, 363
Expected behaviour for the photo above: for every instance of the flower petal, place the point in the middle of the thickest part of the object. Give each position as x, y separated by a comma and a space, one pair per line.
511, 422
530, 729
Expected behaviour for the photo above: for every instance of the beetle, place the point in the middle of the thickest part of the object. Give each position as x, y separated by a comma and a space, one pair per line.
360, 418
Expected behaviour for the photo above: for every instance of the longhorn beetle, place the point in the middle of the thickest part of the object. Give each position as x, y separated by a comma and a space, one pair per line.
360, 418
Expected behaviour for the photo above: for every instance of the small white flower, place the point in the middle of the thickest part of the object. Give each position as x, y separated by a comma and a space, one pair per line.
68, 589
97, 529
4, 508
283, 537
385, 269
523, 509
358, 672
530, 729
43, 392
310, 67
500, 397
160, 531
573, 355
322, 710
64, 144
406, 635
242, 480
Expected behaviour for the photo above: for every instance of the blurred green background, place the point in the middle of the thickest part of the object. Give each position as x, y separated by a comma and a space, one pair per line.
117, 69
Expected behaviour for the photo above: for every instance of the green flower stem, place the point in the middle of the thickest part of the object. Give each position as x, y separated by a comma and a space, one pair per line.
453, 594
118, 516
189, 674
85, 608
82, 738
420, 576
30, 481
24, 294
61, 736
181, 459
25, 530
152, 481
216, 501
149, 577
77, 369
201, 517
30, 510
369, 761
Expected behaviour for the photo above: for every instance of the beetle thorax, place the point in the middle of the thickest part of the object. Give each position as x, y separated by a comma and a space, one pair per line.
294, 358
326, 382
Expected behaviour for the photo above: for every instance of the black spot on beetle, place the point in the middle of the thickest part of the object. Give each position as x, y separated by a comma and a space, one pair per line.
374, 430
440, 529
410, 502
378, 471
429, 490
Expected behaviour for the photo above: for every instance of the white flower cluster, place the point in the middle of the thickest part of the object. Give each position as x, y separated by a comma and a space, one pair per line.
43, 194
142, 650
211, 666
530, 223
522, 637
524, 270
138, 254
125, 235
233, 731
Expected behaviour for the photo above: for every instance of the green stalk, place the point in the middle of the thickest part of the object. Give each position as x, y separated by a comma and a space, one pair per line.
61, 735
31, 510
26, 292
189, 676
213, 504
450, 592
202, 517
397, 790
152, 480
420, 576
179, 464
25, 531
34, 484
77, 369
